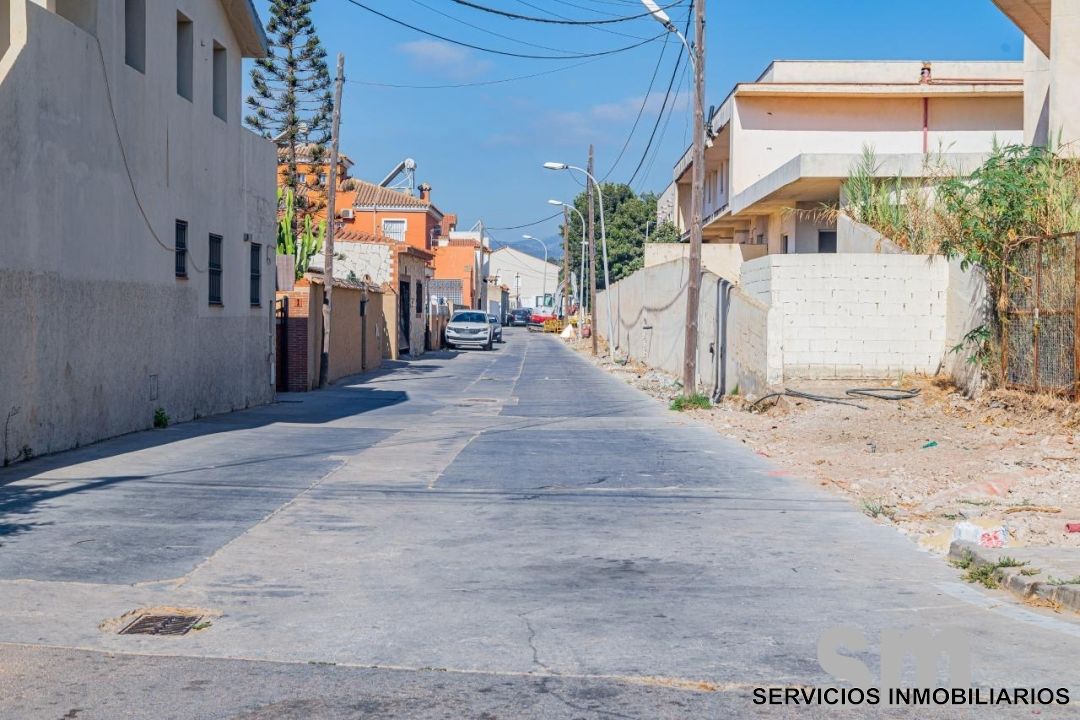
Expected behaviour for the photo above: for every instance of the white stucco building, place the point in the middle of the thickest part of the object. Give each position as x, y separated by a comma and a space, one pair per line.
529, 278
137, 249
1051, 70
789, 140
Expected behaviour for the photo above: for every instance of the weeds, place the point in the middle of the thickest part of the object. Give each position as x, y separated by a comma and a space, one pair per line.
161, 418
1030, 572
697, 401
985, 574
966, 560
876, 509
1051, 580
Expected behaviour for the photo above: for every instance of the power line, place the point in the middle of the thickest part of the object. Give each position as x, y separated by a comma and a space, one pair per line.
474, 84
519, 227
579, 56
667, 96
641, 111
557, 21
482, 29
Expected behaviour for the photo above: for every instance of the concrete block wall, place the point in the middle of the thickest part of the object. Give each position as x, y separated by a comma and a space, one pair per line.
854, 315
800, 317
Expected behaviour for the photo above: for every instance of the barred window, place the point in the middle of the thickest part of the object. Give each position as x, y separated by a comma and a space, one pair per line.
180, 246
214, 270
256, 275
394, 229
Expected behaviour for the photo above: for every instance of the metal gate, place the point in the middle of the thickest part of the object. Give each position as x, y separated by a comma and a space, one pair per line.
1040, 344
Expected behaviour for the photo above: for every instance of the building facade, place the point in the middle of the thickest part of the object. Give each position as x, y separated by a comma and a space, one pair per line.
1051, 69
782, 146
533, 283
137, 255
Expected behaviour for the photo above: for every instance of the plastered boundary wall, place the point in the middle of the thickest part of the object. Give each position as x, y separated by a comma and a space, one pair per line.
801, 317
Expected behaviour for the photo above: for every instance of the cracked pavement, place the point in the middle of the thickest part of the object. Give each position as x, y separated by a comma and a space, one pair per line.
508, 534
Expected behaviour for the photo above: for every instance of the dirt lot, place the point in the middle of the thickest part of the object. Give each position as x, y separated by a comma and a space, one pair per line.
1004, 466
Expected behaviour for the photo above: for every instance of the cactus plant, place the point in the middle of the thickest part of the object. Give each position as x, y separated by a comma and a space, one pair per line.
307, 242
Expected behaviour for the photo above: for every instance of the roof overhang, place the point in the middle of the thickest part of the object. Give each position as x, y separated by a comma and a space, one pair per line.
248, 28
1032, 17
959, 88
817, 177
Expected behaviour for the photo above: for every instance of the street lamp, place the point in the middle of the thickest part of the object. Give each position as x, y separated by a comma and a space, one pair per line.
697, 183
530, 237
581, 277
603, 244
662, 17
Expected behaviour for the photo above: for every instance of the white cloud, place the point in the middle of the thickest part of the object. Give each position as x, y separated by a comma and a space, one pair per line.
442, 59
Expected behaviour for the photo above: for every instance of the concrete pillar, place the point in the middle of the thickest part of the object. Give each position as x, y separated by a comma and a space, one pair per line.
1064, 71
1036, 94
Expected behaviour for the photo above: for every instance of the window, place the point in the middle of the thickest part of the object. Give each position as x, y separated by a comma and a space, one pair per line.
221, 82
394, 229
786, 243
135, 34
419, 298
761, 238
181, 248
213, 270
185, 49
256, 275
322, 178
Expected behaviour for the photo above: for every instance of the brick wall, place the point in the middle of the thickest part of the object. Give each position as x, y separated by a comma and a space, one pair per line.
297, 339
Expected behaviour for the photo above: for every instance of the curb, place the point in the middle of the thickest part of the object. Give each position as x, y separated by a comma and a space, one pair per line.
1011, 579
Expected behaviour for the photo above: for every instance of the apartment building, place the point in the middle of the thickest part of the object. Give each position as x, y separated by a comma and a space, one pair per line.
781, 147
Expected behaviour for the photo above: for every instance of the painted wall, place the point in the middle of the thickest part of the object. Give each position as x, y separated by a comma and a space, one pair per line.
459, 262
524, 274
770, 131
419, 224
87, 277
721, 259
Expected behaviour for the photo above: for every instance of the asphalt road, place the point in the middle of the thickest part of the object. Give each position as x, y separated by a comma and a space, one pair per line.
507, 534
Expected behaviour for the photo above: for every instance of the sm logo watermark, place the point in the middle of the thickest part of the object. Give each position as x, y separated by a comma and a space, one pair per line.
926, 647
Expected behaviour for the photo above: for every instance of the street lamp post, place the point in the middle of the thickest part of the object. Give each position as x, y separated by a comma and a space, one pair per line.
603, 245
697, 183
581, 278
544, 286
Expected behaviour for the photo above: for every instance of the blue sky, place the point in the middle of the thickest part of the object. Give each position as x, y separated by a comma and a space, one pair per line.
481, 147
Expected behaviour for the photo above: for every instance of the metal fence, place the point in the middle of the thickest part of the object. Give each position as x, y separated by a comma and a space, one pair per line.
1041, 308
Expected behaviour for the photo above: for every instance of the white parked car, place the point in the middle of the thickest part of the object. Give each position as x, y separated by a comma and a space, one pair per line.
469, 327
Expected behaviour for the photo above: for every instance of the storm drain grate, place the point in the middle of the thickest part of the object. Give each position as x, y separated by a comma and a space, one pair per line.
161, 625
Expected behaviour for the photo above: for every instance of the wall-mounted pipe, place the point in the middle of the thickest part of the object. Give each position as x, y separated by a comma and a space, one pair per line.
719, 344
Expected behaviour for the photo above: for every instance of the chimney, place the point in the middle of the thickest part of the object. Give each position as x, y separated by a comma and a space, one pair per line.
425, 192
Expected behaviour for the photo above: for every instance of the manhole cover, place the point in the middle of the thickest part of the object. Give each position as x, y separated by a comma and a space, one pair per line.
161, 625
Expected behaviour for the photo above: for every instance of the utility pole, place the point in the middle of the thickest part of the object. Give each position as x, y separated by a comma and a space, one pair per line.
592, 260
697, 185
565, 261
331, 223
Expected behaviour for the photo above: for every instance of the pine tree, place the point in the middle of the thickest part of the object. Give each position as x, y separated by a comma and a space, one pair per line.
290, 98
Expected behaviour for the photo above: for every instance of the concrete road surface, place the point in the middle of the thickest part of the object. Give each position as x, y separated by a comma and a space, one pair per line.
506, 534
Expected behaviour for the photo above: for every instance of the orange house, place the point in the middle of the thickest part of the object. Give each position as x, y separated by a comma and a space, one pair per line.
369, 208
313, 177
460, 260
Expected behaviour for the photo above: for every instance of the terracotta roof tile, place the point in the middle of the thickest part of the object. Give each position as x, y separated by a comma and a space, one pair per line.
372, 195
